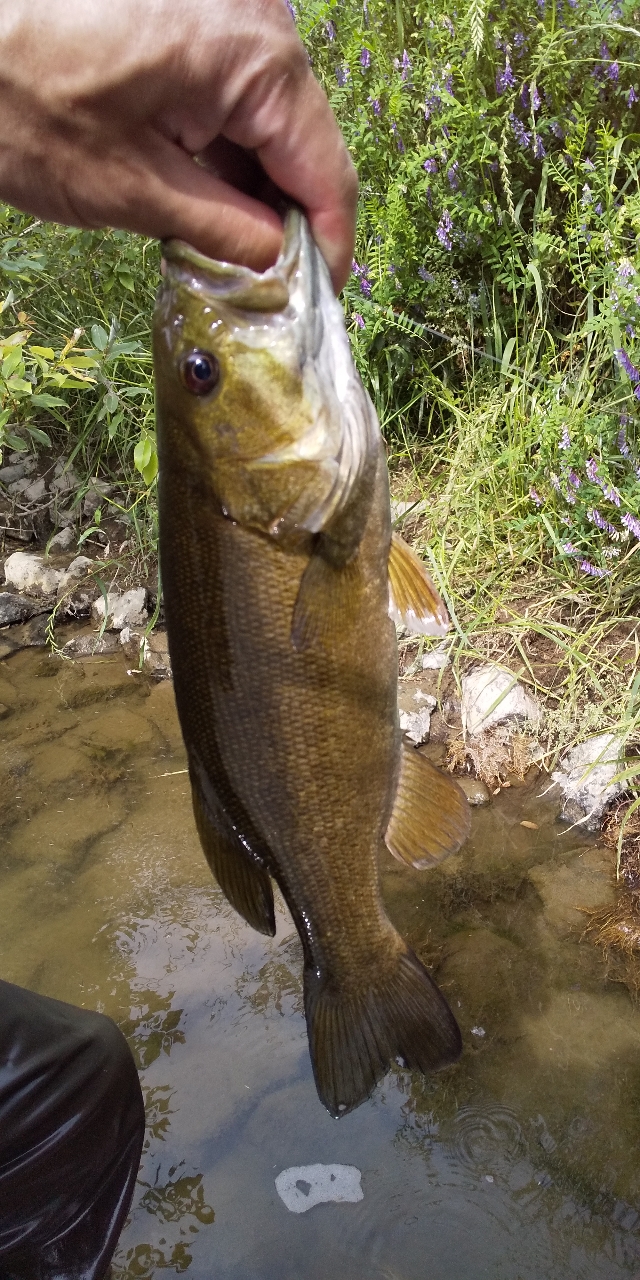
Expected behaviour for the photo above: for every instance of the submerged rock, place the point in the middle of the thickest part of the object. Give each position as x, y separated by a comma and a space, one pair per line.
476, 791
89, 644
16, 608
28, 572
305, 1185
585, 777
491, 696
126, 610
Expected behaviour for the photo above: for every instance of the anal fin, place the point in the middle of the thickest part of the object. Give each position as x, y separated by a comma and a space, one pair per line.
414, 600
431, 816
243, 878
321, 610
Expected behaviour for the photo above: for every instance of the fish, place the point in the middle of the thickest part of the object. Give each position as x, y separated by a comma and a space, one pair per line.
279, 572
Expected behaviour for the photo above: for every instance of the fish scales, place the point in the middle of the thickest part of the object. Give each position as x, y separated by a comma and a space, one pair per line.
293, 744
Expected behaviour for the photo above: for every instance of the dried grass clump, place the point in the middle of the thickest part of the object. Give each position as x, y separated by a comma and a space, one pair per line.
494, 756
614, 823
615, 929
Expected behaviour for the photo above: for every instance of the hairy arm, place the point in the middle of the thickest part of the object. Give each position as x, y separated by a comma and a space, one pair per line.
106, 105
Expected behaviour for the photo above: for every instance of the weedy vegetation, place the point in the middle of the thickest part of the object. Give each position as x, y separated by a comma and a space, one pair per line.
494, 309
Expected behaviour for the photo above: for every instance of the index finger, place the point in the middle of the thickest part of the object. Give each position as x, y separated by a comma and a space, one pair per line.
297, 140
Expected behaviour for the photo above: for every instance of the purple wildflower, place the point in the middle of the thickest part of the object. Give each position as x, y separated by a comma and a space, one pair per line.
592, 471
375, 103
405, 64
425, 275
398, 138
443, 230
631, 97
570, 497
430, 165
555, 483
613, 72
446, 22
573, 4
592, 569
604, 51
365, 59
535, 98
291, 9
631, 523
521, 135
524, 97
594, 516
623, 444
538, 148
505, 79
598, 209
452, 175
330, 31
587, 196
565, 439
447, 83
630, 331
342, 75
569, 549
588, 163
535, 496
625, 363
610, 493
625, 270
358, 319
519, 40
557, 130
573, 478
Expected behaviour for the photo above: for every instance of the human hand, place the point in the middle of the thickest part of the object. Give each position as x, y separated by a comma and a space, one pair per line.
105, 103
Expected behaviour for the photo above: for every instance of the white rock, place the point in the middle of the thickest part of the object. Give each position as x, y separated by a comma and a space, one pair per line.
61, 541
490, 695
436, 659
398, 508
127, 610
416, 724
305, 1185
28, 573
36, 490
586, 776
73, 575
96, 492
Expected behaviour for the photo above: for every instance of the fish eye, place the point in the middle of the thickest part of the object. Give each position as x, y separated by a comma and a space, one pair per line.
200, 372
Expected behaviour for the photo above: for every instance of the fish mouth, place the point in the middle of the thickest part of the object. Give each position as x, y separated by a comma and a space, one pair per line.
237, 286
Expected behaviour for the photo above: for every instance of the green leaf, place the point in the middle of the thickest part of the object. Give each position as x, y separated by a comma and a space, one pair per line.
142, 454
111, 401
40, 436
47, 352
127, 280
16, 442
99, 336
151, 470
532, 267
44, 401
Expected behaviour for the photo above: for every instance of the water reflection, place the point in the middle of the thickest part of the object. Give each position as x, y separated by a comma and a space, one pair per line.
519, 1164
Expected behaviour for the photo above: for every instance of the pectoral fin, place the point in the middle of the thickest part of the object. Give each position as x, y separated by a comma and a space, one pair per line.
431, 816
324, 601
414, 600
241, 875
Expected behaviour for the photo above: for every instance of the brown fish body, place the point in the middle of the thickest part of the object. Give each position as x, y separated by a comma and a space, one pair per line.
294, 748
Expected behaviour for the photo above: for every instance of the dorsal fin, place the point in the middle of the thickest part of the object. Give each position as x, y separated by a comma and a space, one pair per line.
414, 600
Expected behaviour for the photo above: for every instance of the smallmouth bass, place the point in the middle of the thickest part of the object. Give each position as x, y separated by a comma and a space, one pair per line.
277, 561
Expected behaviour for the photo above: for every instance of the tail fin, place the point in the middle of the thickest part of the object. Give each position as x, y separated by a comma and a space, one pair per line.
355, 1036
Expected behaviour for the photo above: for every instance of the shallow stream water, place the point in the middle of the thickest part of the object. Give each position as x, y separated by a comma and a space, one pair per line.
521, 1163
